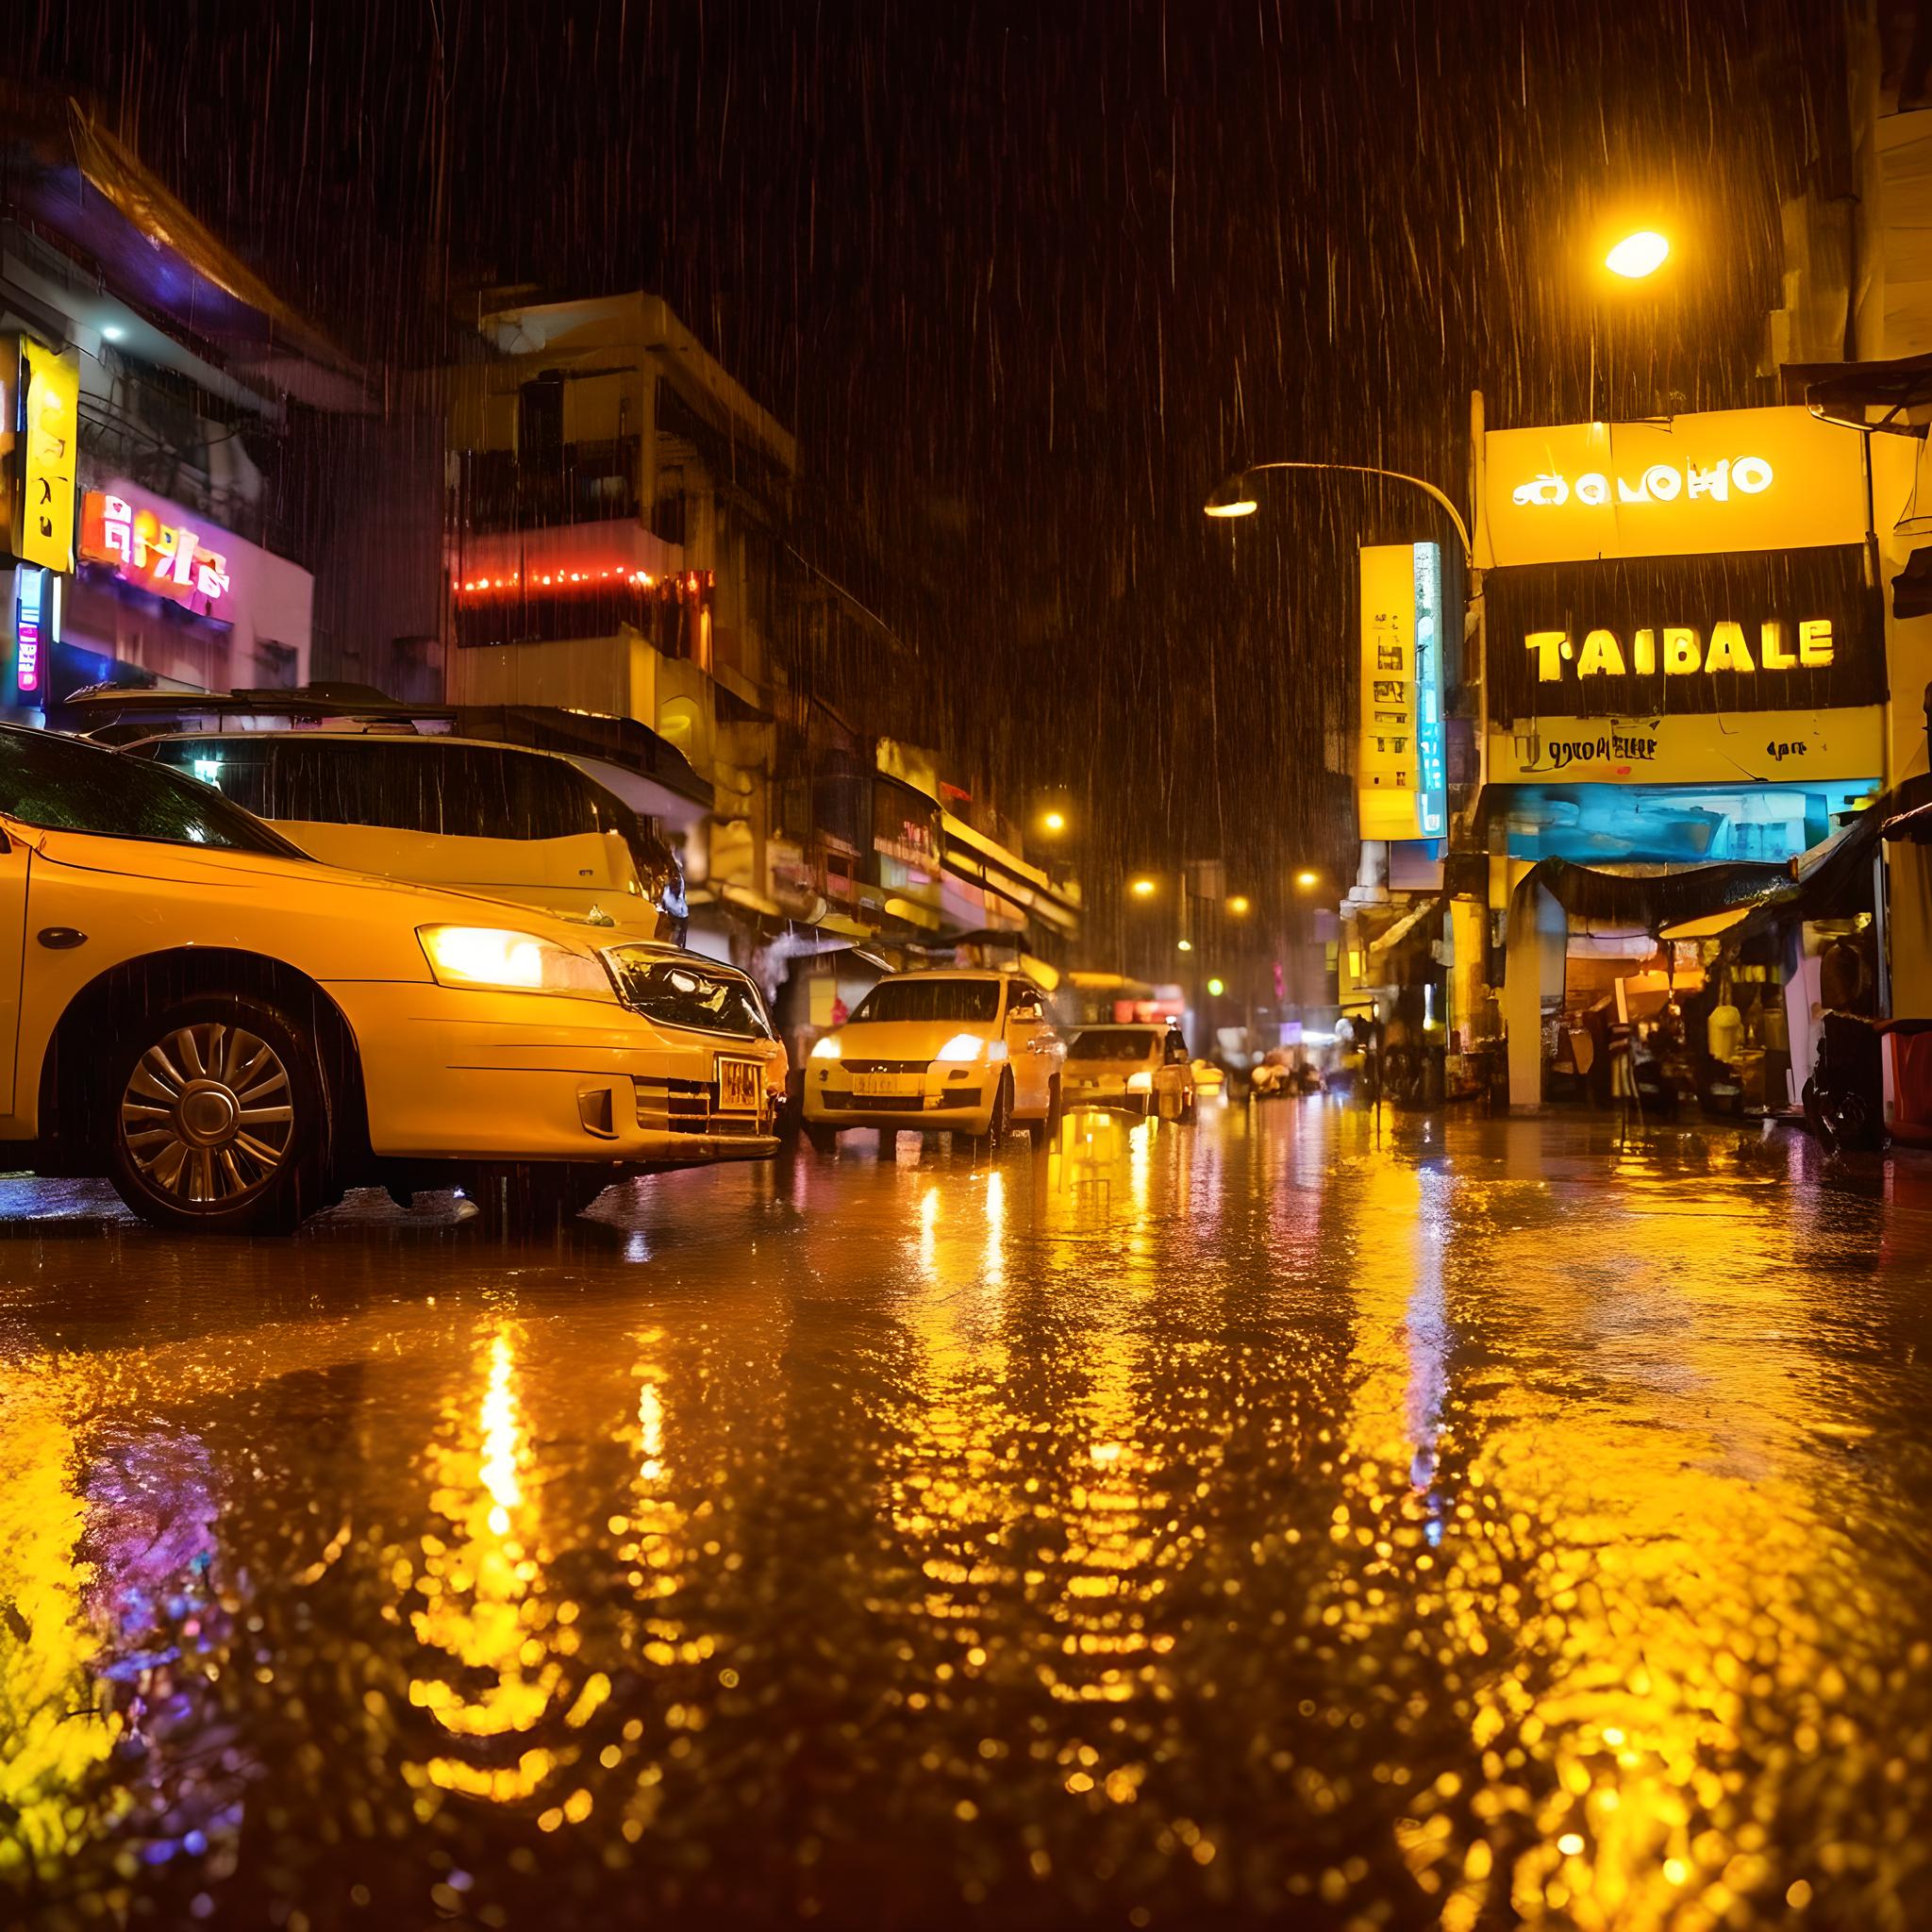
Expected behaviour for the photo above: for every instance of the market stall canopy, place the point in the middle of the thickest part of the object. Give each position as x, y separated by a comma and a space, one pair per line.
1654, 901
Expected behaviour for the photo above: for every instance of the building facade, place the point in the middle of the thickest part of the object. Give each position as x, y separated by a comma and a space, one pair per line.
149, 382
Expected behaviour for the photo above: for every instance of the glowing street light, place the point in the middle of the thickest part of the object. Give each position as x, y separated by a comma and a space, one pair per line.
1217, 987
1055, 821
1184, 945
1639, 254
1141, 889
1234, 498
1238, 906
1235, 495
1307, 879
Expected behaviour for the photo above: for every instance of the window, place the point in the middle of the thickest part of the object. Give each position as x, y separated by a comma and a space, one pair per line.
63, 785
1112, 1043
540, 421
970, 1000
1025, 1006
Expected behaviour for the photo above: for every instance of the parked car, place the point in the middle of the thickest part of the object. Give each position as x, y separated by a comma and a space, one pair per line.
969, 1053
1142, 1069
235, 1033
1209, 1079
514, 823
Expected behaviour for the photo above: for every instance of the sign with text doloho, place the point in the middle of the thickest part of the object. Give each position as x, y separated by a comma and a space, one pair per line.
1724, 481
1401, 765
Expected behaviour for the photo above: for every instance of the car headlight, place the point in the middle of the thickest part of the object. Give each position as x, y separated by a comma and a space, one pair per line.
825, 1049
509, 961
1142, 1082
970, 1046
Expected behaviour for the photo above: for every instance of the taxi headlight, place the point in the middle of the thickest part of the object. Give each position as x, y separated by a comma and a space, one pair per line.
825, 1049
509, 961
970, 1046
1142, 1082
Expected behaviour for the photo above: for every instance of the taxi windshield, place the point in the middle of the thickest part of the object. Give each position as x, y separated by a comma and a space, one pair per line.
1112, 1043
949, 1000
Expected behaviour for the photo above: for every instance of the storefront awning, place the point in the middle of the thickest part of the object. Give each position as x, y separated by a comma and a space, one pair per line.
1707, 928
1844, 390
1652, 901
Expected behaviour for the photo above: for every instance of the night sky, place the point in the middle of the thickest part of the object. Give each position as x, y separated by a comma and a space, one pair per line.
1026, 279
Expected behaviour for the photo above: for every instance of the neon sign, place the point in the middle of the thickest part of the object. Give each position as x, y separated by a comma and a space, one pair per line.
1684, 653
30, 608
167, 558
1660, 483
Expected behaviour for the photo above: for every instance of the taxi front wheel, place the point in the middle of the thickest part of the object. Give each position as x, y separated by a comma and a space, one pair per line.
989, 1144
216, 1115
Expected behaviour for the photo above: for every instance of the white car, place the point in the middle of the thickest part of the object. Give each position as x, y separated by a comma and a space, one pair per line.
972, 1053
234, 1033
1142, 1069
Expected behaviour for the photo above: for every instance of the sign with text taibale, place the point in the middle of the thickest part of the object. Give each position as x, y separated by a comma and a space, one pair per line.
1798, 630
1724, 481
1401, 763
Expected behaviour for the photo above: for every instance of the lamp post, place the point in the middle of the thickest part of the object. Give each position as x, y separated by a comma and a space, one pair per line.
1234, 497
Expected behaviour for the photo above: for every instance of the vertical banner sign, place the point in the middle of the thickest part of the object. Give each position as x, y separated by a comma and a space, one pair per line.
1402, 772
31, 597
47, 455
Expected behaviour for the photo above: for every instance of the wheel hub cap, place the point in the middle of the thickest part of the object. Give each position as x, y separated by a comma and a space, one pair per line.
207, 1115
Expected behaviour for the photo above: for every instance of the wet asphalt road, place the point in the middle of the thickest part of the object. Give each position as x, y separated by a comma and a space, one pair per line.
1281, 1520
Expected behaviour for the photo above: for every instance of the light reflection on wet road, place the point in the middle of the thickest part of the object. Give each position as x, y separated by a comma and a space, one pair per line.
1262, 1523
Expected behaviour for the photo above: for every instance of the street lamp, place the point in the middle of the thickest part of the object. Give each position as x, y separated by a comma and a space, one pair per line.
1306, 880
1639, 254
1238, 906
1234, 496
1141, 889
1055, 821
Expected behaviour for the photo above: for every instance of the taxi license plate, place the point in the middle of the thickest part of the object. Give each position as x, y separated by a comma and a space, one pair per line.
884, 1085
739, 1085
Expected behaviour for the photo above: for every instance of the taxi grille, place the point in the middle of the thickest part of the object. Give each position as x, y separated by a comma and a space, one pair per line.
684, 1106
885, 1066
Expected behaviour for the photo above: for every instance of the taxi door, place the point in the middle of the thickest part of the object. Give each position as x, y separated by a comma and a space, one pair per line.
1029, 1051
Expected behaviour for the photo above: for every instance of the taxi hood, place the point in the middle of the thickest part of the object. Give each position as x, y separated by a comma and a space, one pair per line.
906, 1040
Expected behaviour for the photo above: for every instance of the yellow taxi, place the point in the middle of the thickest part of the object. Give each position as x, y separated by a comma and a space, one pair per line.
234, 1034
971, 1053
1131, 1069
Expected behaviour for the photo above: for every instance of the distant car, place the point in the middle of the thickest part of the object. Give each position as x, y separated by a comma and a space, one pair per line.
1208, 1078
1142, 1069
234, 1034
968, 1053
527, 826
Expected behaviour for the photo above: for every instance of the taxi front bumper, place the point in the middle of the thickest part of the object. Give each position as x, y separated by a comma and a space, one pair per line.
928, 1096
454, 1074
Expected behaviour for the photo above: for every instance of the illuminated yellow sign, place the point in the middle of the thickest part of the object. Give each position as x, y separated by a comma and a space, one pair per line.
49, 452
1724, 481
1681, 651
1401, 763
1692, 748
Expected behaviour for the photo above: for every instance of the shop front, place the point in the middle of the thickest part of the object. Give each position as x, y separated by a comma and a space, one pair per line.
1671, 729
161, 596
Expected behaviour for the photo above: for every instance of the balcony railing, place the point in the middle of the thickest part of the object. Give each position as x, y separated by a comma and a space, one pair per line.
583, 483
